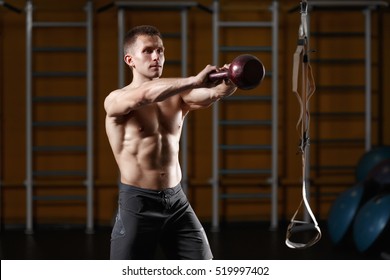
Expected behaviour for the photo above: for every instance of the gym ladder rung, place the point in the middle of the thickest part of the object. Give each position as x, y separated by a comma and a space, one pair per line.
338, 114
244, 171
48, 74
53, 183
59, 198
49, 173
333, 167
246, 147
338, 140
245, 122
248, 98
59, 24
337, 34
58, 123
245, 24
59, 148
59, 49
335, 88
244, 195
337, 61
60, 99
245, 48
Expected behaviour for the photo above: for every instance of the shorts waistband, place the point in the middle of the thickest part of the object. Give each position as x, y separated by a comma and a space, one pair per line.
131, 188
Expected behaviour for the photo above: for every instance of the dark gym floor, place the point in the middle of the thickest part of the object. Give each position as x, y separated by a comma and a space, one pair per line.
241, 241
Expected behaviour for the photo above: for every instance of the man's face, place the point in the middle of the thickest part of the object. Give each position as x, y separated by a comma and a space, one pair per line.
146, 56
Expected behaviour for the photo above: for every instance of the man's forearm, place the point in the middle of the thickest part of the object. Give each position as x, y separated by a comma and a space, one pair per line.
163, 88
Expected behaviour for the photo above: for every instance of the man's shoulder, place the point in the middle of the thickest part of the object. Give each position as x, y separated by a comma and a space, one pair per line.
115, 93
111, 97
118, 91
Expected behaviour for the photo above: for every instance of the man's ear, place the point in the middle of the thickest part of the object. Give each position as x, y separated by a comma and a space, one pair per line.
128, 60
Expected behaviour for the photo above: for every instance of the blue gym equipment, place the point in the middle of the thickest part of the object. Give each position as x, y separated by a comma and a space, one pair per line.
379, 176
373, 174
343, 212
369, 160
371, 228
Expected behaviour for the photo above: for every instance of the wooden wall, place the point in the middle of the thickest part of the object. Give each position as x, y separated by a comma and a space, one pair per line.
12, 89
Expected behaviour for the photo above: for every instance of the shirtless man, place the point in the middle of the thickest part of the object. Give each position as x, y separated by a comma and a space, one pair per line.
143, 124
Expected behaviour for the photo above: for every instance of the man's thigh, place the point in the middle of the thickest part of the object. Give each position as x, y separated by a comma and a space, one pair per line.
135, 234
185, 238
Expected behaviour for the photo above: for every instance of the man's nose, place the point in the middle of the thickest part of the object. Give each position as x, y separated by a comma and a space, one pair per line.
155, 55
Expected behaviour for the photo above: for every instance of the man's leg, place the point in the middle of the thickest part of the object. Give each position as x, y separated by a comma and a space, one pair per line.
183, 235
136, 230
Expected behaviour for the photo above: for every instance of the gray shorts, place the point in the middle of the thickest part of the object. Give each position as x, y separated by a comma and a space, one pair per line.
148, 218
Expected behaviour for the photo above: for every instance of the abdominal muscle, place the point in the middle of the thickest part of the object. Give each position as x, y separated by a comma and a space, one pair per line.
150, 162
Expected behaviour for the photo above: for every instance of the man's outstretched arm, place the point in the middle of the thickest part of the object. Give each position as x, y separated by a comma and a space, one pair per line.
122, 101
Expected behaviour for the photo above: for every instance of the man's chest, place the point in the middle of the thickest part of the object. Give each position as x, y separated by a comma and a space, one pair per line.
163, 117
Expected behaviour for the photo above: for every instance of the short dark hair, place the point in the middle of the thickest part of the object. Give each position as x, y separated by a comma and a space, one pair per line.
133, 33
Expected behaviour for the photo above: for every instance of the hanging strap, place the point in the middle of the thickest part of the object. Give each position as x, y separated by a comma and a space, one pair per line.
301, 64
